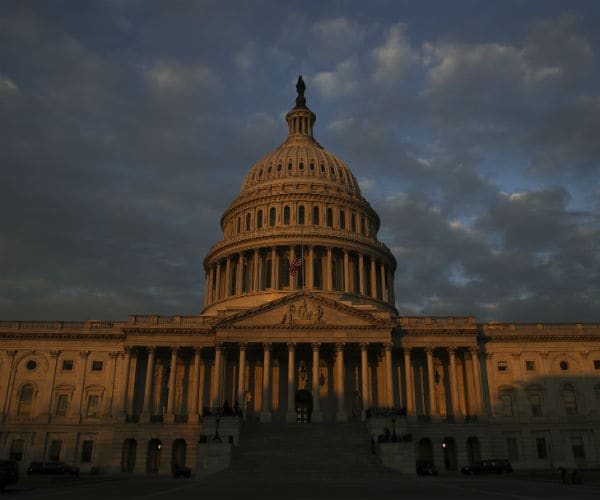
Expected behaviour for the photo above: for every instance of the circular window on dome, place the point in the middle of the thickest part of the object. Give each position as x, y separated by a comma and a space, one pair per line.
564, 365
31, 364
322, 168
301, 166
312, 166
279, 168
289, 166
269, 169
332, 170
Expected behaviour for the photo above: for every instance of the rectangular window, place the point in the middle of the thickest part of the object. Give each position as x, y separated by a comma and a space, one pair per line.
16, 449
342, 219
597, 364
92, 405
502, 366
97, 366
512, 447
55, 446
86, 450
536, 404
67, 365
530, 365
577, 447
62, 404
542, 452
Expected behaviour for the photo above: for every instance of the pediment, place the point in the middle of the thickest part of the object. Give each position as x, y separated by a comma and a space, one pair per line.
304, 310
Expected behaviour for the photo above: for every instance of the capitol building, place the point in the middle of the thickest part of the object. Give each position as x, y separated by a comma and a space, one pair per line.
298, 329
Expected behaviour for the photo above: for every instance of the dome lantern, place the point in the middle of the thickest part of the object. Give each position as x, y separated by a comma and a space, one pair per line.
300, 119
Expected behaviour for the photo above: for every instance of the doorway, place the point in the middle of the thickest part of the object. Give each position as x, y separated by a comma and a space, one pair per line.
303, 406
153, 456
449, 447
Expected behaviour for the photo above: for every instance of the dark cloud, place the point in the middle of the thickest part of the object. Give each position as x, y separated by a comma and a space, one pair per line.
128, 127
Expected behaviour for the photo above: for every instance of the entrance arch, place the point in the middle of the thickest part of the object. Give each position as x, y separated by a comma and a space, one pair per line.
473, 450
425, 451
178, 454
153, 456
449, 447
303, 406
128, 454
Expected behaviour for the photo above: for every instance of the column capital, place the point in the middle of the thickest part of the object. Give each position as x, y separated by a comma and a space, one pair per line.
315, 346
267, 346
218, 346
339, 346
11, 353
474, 349
291, 346
150, 348
429, 350
197, 350
114, 354
243, 346
451, 349
364, 345
407, 350
174, 350
387, 346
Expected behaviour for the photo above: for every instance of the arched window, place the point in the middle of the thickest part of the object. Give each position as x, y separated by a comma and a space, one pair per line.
569, 399
25, 400
286, 215
247, 222
301, 214
534, 397
315, 216
238, 225
259, 221
272, 216
342, 219
353, 222
330, 217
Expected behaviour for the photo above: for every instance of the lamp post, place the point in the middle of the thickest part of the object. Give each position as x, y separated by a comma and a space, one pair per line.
393, 429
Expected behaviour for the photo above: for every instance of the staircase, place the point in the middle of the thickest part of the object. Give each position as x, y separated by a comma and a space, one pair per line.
318, 451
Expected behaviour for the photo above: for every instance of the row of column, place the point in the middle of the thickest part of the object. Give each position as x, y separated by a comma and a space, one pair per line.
338, 379
216, 290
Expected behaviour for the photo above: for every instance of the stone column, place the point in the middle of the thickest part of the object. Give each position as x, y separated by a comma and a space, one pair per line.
240, 274
364, 378
346, 272
109, 407
339, 383
256, 271
192, 414
389, 379
383, 287
211, 279
453, 381
125, 388
201, 385
227, 277
216, 395
7, 388
476, 380
291, 388
274, 268
361, 274
310, 283
218, 282
265, 414
241, 375
316, 416
431, 381
410, 389
85, 355
54, 355
170, 415
147, 408
328, 277
293, 279
373, 278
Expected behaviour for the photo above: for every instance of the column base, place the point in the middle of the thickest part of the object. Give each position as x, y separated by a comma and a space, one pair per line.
341, 417
144, 418
169, 418
291, 417
316, 416
266, 417
193, 418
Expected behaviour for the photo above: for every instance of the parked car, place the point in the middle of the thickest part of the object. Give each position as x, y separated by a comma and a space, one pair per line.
9, 473
181, 471
425, 468
52, 468
495, 465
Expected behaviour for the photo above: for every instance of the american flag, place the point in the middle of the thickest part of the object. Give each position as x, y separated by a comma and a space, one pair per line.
294, 265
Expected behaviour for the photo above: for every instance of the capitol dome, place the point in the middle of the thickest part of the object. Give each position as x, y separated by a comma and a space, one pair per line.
299, 204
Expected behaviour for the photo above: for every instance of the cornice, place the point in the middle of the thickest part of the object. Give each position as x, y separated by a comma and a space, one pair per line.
61, 336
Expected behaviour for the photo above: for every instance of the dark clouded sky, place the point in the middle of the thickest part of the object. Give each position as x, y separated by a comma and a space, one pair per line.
128, 126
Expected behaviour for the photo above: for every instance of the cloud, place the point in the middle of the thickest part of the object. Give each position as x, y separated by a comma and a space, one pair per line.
7, 86
396, 57
343, 81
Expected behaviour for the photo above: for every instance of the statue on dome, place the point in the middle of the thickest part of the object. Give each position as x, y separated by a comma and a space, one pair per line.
300, 88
